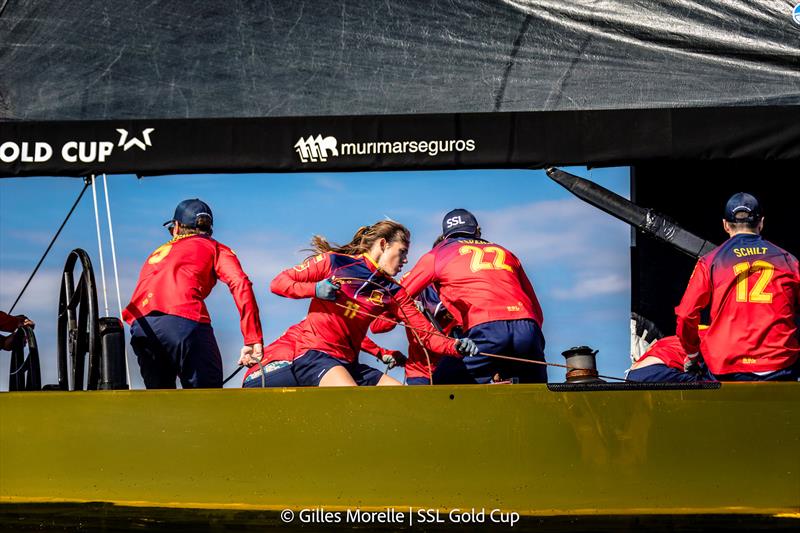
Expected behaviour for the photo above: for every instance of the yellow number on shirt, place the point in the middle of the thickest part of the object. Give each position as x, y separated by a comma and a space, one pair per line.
352, 310
757, 294
160, 253
477, 263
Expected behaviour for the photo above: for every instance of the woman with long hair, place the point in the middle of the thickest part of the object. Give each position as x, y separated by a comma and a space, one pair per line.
349, 287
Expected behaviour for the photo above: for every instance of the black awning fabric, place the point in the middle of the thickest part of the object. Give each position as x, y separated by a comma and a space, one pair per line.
115, 59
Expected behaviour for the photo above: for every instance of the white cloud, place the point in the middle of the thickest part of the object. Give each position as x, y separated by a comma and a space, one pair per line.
327, 182
542, 232
41, 296
31, 236
589, 286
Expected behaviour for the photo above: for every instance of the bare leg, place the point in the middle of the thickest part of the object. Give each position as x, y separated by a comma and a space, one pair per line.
387, 381
337, 376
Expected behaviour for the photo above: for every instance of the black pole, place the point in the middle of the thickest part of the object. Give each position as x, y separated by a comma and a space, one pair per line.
642, 219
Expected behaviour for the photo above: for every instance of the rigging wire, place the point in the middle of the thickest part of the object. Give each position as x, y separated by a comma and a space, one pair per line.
49, 246
238, 369
116, 272
100, 245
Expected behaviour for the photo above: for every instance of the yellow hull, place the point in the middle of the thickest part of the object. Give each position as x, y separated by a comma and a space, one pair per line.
519, 448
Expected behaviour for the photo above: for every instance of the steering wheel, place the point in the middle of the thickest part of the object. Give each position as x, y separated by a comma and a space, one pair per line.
25, 373
78, 329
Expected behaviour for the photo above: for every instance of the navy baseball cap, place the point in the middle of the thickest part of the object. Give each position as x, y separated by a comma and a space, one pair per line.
742, 202
459, 221
188, 211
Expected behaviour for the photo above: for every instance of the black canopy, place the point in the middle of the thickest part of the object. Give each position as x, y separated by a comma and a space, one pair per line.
116, 59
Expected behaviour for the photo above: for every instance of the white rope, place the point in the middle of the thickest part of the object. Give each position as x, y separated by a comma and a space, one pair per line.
116, 272
100, 244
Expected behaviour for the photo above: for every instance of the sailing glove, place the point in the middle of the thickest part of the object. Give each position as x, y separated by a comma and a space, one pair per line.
467, 347
692, 363
326, 290
394, 359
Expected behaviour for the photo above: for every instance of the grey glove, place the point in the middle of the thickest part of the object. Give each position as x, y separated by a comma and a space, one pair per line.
394, 359
326, 290
467, 347
692, 363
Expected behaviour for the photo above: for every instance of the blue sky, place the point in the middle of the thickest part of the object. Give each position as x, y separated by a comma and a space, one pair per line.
576, 256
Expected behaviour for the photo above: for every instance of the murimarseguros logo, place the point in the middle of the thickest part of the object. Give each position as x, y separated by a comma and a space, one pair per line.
316, 148
796, 14
319, 149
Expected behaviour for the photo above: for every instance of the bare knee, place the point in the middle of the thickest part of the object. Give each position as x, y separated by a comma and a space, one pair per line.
337, 376
387, 381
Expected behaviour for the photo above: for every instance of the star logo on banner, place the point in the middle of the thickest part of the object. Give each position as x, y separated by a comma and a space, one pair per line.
133, 141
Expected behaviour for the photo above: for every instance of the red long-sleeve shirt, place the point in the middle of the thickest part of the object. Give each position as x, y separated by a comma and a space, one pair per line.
478, 281
8, 323
338, 327
753, 290
179, 275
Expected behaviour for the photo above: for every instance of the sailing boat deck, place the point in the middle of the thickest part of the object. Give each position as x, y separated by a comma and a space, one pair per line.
520, 448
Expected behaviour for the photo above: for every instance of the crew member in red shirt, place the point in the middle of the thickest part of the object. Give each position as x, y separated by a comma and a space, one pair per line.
171, 330
485, 288
9, 324
663, 363
349, 286
753, 290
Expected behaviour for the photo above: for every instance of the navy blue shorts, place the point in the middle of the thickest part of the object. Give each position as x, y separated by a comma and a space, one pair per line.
791, 373
451, 371
169, 347
281, 377
418, 381
665, 374
310, 367
515, 338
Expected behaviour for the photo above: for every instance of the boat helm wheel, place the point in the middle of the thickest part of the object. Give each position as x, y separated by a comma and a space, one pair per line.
25, 374
78, 330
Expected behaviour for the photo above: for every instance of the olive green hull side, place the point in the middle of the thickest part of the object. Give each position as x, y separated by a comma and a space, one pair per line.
517, 447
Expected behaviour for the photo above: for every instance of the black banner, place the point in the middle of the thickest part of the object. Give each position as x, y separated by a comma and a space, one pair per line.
386, 142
